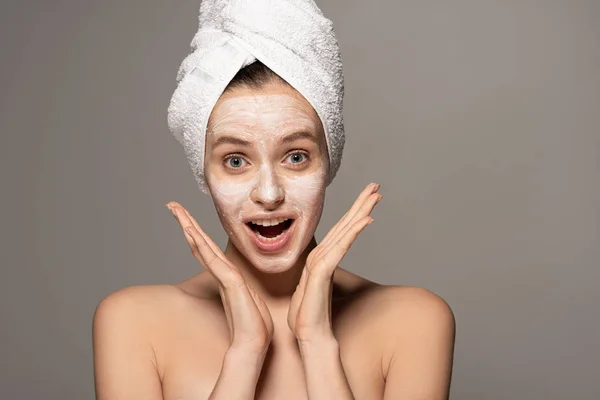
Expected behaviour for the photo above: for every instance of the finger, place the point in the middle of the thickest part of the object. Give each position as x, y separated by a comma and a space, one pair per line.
236, 274
224, 272
201, 247
244, 312
360, 200
185, 219
338, 250
183, 215
365, 209
358, 203
187, 236
192, 227
180, 216
335, 251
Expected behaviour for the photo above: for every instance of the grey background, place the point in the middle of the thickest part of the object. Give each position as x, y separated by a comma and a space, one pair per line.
480, 118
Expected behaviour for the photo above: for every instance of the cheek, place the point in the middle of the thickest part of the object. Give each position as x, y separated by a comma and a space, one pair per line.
307, 193
229, 197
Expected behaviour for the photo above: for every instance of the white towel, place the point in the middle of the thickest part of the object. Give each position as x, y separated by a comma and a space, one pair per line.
291, 37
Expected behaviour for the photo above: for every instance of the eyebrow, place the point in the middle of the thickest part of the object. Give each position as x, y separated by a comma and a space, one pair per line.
296, 136
231, 140
244, 143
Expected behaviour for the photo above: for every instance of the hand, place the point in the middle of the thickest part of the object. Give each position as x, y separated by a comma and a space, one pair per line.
250, 323
309, 315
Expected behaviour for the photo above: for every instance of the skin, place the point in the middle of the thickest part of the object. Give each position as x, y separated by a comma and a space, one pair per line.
291, 324
266, 179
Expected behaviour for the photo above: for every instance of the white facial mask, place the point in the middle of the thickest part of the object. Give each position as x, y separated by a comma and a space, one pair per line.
268, 183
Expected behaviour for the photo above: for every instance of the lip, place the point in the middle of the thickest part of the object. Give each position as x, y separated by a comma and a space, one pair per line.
271, 246
259, 217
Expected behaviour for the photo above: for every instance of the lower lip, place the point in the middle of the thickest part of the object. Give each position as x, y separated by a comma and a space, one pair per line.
274, 245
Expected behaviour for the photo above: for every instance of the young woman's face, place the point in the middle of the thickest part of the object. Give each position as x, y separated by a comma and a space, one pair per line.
266, 168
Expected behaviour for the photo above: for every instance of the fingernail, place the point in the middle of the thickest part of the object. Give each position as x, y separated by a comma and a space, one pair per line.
380, 197
370, 221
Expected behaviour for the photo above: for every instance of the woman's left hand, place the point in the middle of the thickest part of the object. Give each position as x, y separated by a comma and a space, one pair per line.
309, 315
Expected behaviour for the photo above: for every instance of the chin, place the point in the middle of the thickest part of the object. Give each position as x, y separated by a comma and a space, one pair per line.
273, 264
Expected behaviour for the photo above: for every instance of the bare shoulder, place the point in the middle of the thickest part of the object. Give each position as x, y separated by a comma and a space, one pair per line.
135, 329
137, 299
397, 308
395, 299
414, 302
146, 308
418, 326
412, 310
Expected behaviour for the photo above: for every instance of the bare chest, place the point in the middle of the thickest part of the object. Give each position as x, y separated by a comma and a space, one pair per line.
192, 370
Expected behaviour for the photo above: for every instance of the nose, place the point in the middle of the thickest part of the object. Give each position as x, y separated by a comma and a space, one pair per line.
268, 191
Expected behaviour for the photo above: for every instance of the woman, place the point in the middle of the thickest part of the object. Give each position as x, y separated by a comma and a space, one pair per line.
274, 316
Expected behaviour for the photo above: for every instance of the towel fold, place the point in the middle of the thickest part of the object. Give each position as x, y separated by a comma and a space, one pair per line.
291, 37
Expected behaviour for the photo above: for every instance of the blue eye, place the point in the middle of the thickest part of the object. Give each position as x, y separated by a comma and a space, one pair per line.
296, 158
235, 162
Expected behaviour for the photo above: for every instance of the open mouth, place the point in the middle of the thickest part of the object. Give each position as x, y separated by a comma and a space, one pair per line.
270, 233
271, 236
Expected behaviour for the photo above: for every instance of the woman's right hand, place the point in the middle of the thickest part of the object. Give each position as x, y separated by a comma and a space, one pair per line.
250, 323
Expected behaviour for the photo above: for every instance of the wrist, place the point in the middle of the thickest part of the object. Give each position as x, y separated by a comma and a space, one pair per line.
318, 335
318, 345
239, 375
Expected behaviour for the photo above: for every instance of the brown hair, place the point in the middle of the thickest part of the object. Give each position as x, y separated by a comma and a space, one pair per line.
255, 75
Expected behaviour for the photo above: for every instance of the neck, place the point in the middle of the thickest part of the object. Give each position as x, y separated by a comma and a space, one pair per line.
274, 288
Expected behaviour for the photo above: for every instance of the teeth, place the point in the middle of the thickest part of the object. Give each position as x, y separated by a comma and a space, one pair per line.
269, 222
266, 239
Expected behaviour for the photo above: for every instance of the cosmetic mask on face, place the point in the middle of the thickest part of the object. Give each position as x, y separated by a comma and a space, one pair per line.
266, 165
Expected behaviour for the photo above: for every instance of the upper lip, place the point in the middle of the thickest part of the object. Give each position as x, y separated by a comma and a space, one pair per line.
262, 217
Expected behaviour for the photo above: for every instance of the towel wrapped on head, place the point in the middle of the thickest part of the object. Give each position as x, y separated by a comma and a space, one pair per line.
291, 37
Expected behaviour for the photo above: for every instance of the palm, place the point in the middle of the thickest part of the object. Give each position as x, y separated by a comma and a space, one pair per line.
310, 308
248, 318
264, 311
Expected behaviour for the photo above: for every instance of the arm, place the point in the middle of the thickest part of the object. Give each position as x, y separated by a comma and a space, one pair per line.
325, 377
421, 347
239, 375
124, 363
309, 315
248, 318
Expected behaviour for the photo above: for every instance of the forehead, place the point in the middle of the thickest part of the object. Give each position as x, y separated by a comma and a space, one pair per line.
272, 110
